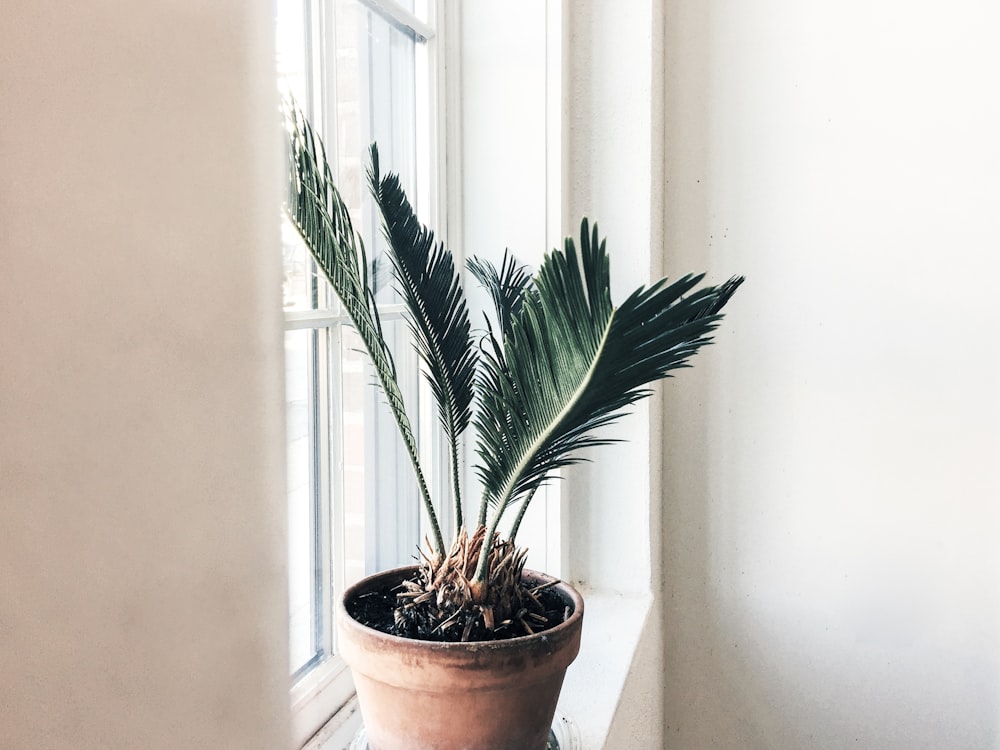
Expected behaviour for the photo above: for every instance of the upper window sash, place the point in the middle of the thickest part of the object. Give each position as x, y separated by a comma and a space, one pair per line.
402, 18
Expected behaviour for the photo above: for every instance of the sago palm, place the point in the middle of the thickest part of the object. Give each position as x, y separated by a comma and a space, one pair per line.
559, 362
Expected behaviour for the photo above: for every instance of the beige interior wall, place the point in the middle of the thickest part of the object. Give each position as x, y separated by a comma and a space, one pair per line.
143, 595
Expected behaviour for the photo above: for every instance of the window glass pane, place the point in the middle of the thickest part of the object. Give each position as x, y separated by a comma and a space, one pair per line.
378, 495
299, 270
393, 498
375, 82
350, 81
291, 45
301, 522
291, 48
357, 388
390, 105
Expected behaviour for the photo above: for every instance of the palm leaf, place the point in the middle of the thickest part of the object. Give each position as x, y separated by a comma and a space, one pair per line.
574, 363
507, 287
437, 311
316, 209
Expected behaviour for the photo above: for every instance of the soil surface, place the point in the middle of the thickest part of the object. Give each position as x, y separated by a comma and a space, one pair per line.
376, 609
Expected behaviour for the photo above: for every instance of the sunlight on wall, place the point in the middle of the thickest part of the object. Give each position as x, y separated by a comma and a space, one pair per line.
834, 560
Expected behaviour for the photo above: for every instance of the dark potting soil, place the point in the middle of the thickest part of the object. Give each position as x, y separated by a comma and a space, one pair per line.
376, 609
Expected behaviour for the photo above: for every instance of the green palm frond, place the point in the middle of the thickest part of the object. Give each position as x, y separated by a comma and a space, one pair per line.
316, 209
438, 313
561, 362
574, 363
507, 287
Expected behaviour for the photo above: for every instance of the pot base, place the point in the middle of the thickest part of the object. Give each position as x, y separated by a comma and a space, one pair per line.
564, 735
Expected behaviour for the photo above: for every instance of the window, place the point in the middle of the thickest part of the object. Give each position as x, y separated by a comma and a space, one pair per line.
361, 72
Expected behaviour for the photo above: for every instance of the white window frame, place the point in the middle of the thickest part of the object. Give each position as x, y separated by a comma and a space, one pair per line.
622, 610
326, 689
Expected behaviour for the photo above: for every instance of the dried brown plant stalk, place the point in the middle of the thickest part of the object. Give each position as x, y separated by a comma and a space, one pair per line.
441, 598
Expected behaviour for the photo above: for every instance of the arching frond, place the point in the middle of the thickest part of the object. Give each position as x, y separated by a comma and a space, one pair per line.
507, 287
316, 209
437, 311
574, 363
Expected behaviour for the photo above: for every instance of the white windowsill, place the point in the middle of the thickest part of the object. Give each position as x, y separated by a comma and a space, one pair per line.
612, 626
337, 733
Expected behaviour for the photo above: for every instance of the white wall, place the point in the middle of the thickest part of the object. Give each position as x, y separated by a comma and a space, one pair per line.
613, 102
142, 554
833, 492
547, 140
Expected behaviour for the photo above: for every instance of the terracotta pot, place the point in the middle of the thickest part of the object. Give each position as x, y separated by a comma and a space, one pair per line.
483, 695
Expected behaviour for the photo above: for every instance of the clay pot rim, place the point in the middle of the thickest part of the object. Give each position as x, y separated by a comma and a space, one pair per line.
555, 633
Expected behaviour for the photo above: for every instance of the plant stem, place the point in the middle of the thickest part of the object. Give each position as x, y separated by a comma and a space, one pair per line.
483, 506
402, 422
479, 581
520, 515
455, 482
425, 495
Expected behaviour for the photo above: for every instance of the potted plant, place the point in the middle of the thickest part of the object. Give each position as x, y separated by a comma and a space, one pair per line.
467, 649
